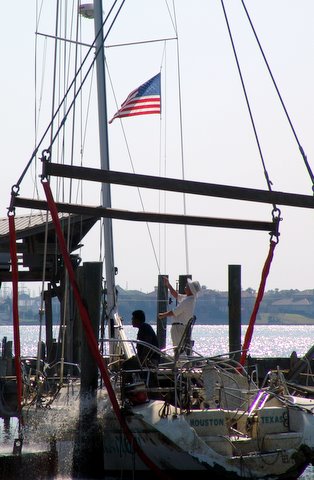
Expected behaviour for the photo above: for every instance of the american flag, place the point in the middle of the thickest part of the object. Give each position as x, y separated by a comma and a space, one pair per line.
144, 100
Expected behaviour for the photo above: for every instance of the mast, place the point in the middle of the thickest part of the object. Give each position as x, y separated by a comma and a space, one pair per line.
104, 159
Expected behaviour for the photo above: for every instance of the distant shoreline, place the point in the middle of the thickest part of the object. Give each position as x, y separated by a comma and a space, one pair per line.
260, 321
278, 307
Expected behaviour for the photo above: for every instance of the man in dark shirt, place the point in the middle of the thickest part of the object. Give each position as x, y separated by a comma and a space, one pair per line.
146, 357
146, 334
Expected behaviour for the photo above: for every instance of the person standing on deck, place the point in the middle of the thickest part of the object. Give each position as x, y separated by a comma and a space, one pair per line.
182, 313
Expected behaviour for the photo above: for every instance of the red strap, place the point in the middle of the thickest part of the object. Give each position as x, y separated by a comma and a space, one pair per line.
92, 342
16, 326
249, 332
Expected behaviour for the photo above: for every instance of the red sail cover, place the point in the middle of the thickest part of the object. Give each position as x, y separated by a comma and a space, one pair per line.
260, 294
91, 339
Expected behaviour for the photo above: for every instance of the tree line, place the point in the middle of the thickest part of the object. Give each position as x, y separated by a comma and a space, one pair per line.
277, 307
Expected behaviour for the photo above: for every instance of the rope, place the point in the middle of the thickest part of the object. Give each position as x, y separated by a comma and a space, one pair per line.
133, 170
33, 156
280, 98
265, 272
249, 332
54, 70
92, 342
187, 266
16, 327
41, 309
269, 183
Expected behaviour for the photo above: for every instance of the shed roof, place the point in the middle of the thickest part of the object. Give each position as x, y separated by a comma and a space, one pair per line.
31, 232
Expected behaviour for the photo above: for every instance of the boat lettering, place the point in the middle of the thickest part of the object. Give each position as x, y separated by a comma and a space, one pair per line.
120, 445
272, 419
206, 422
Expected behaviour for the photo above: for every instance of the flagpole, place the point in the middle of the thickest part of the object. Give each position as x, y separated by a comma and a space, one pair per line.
104, 159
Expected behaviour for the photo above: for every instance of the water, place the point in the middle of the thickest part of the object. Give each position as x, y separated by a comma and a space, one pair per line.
267, 341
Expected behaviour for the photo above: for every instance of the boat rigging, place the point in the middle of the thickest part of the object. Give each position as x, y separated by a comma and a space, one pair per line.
207, 414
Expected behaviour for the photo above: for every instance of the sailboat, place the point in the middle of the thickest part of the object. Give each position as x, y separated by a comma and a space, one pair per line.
204, 415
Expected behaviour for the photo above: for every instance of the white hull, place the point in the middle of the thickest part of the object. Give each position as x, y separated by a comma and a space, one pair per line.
174, 446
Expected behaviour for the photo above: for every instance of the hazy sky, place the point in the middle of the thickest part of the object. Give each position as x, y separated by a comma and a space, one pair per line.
218, 141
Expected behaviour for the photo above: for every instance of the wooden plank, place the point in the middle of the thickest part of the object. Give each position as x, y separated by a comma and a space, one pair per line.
148, 216
178, 185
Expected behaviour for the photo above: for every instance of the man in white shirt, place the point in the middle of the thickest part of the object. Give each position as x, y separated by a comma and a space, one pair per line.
182, 313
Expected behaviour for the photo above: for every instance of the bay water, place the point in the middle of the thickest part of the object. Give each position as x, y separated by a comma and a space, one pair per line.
267, 341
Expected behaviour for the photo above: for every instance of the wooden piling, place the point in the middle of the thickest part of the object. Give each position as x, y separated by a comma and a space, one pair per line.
88, 453
234, 303
91, 293
182, 282
162, 306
